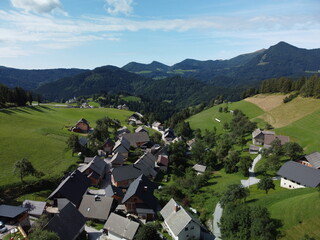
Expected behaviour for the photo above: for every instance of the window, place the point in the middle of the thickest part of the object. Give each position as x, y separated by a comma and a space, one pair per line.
186, 229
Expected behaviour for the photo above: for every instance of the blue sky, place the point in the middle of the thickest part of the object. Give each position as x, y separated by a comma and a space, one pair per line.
37, 34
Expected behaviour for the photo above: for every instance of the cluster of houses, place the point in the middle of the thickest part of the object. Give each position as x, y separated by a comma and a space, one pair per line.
301, 173
109, 189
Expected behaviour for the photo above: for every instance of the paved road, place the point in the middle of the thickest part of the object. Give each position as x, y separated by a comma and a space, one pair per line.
252, 179
216, 219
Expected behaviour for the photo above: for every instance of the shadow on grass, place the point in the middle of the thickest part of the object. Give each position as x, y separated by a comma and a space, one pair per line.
252, 200
46, 108
20, 110
6, 111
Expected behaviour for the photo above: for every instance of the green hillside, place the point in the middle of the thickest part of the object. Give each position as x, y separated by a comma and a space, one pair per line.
207, 118
39, 134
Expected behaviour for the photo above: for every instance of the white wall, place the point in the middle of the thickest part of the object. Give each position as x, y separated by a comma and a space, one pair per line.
286, 183
195, 232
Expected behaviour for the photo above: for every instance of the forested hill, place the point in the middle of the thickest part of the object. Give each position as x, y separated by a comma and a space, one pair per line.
31, 79
280, 60
105, 79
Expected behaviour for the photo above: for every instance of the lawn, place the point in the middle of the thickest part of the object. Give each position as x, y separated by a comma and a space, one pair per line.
131, 98
39, 134
207, 119
299, 209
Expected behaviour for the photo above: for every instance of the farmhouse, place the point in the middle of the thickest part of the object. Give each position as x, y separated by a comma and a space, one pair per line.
265, 138
118, 227
295, 175
122, 147
137, 139
117, 160
157, 126
81, 126
94, 170
108, 146
179, 223
311, 160
139, 198
123, 176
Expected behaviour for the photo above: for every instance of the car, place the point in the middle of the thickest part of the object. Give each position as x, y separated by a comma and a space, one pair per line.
3, 227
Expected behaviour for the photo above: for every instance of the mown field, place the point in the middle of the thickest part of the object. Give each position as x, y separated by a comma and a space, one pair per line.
39, 133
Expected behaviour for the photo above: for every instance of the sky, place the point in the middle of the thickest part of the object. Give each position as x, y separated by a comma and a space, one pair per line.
40, 34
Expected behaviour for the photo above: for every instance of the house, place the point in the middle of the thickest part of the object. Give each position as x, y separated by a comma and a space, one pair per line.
137, 139
94, 170
268, 139
254, 149
118, 227
190, 143
146, 164
14, 215
117, 160
114, 192
83, 141
168, 135
157, 126
199, 169
122, 146
68, 223
124, 175
140, 129
96, 207
258, 136
311, 160
122, 131
135, 119
108, 146
295, 175
35, 208
72, 188
81, 126
179, 223
163, 162
139, 198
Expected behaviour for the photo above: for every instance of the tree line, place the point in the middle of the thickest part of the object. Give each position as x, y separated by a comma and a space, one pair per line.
15, 96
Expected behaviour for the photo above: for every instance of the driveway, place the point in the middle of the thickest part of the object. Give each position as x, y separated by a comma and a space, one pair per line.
216, 220
252, 178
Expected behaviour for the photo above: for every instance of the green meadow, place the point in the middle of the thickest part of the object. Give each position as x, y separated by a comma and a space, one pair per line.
207, 119
39, 133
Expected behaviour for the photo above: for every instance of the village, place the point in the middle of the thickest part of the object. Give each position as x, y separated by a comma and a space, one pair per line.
119, 194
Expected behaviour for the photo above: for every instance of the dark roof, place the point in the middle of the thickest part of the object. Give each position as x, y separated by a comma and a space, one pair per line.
117, 159
143, 188
125, 173
122, 142
98, 165
113, 191
137, 137
140, 129
310, 177
96, 207
9, 211
72, 188
67, 223
313, 159
83, 121
83, 141
121, 226
108, 142
34, 207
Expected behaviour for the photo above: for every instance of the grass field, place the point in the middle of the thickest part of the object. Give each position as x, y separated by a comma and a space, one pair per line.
131, 99
39, 134
207, 118
299, 209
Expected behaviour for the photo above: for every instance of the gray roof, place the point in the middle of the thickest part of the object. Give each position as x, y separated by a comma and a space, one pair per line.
307, 176
113, 191
83, 141
9, 211
146, 169
88, 159
96, 207
98, 165
137, 137
67, 223
199, 168
143, 188
83, 121
122, 142
34, 207
72, 188
125, 173
120, 149
176, 220
268, 139
117, 159
121, 226
313, 159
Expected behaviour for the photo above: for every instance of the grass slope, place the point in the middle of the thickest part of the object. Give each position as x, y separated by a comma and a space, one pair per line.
40, 134
206, 119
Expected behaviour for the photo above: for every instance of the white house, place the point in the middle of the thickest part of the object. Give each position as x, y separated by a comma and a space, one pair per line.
180, 224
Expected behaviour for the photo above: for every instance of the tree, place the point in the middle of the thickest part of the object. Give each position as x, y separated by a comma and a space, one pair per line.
183, 129
39, 234
231, 161
234, 193
244, 165
292, 150
73, 144
25, 168
266, 184
146, 232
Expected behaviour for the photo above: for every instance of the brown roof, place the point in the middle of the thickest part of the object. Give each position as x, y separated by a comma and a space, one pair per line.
268, 139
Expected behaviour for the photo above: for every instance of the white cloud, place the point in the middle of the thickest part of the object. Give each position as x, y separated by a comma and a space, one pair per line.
120, 6
38, 6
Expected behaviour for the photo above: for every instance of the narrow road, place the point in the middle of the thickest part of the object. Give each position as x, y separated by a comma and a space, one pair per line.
252, 178
216, 220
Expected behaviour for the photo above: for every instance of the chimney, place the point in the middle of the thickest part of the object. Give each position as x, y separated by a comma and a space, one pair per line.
176, 207
145, 188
